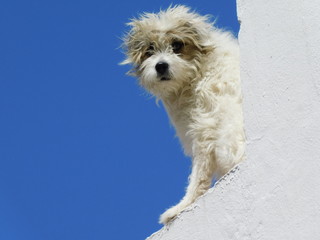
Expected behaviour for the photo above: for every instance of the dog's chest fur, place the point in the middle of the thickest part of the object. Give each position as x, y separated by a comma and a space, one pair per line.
179, 108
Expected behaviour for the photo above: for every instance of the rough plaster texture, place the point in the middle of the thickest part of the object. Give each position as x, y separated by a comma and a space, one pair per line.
275, 194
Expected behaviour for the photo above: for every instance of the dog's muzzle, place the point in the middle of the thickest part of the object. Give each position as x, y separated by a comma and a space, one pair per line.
162, 69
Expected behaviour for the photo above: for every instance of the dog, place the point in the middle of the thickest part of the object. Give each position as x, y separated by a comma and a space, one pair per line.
192, 67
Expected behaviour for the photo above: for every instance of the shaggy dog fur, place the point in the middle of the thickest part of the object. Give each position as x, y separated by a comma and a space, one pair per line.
193, 68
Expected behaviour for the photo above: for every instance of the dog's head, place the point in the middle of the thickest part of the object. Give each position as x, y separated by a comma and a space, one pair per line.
167, 49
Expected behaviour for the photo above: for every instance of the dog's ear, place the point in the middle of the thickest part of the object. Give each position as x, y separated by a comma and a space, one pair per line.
133, 44
124, 47
198, 35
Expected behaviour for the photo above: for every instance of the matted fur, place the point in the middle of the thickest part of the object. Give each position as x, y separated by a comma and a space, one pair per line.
203, 96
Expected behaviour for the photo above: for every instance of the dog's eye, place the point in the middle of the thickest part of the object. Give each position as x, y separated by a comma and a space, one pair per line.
177, 46
150, 51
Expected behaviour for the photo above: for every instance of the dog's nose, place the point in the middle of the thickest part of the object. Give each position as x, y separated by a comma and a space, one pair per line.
162, 67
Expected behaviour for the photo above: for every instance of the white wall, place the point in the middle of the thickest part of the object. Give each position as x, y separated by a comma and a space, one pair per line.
275, 194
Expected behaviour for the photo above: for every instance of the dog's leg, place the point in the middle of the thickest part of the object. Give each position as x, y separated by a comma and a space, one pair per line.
200, 181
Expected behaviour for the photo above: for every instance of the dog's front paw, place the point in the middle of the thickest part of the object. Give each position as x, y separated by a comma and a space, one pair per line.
170, 214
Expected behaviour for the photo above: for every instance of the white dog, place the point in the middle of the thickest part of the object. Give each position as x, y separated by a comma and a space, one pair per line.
193, 68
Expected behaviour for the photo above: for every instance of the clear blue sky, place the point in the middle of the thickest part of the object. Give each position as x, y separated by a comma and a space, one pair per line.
85, 154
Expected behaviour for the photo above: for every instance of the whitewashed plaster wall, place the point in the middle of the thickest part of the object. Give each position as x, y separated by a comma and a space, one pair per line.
275, 194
